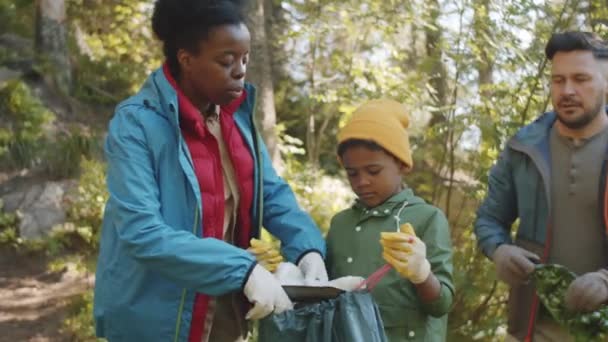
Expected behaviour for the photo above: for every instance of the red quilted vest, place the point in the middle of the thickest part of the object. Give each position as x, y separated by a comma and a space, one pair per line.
205, 155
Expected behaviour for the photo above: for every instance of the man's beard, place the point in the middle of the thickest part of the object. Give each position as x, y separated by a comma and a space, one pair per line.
584, 119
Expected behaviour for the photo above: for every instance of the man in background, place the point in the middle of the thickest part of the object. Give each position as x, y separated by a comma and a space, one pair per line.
552, 176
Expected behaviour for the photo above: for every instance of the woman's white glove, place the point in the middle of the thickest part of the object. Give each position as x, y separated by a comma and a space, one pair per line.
265, 293
313, 268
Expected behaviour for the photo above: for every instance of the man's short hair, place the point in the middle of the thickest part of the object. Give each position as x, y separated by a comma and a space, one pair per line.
576, 40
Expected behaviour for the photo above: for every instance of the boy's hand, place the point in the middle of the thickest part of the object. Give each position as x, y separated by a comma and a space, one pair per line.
266, 255
406, 253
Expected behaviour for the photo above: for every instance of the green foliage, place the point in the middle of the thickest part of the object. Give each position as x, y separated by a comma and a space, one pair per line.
24, 142
552, 282
320, 195
83, 227
105, 81
8, 228
17, 16
62, 156
115, 48
79, 325
79, 235
23, 118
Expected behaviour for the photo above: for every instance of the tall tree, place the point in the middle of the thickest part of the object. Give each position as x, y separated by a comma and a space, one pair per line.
261, 74
436, 69
51, 41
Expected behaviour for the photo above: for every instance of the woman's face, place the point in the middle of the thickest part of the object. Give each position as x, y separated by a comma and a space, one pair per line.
216, 74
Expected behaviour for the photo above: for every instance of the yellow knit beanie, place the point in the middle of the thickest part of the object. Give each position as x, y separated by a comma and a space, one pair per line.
383, 122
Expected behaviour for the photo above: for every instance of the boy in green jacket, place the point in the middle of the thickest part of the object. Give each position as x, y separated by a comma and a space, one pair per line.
416, 295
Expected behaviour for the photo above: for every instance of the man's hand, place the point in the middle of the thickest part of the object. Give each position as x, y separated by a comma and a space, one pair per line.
588, 292
514, 264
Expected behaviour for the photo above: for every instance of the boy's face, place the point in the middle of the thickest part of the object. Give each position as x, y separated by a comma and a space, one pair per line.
374, 175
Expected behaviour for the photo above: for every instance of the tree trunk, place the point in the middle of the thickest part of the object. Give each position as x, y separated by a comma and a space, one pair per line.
438, 82
438, 74
51, 41
482, 29
260, 74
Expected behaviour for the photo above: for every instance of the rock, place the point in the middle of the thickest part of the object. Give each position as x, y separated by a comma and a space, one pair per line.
20, 45
39, 207
7, 75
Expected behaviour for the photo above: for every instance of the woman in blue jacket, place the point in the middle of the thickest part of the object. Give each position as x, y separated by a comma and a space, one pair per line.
190, 184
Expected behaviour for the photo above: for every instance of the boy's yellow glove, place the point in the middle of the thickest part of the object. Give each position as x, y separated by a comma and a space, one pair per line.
406, 253
266, 255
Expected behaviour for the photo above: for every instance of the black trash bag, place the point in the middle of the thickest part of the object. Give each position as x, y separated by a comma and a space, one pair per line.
351, 317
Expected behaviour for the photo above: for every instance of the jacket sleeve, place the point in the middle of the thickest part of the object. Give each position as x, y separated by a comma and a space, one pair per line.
284, 218
210, 266
439, 254
499, 209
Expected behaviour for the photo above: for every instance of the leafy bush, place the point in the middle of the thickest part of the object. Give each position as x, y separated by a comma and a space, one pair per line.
23, 118
8, 228
105, 81
62, 155
79, 325
320, 195
116, 49
17, 16
81, 231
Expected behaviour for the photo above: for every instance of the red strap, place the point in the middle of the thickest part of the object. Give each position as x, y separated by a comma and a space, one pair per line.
535, 302
374, 278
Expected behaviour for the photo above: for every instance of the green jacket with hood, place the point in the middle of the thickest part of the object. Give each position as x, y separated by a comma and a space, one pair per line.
353, 248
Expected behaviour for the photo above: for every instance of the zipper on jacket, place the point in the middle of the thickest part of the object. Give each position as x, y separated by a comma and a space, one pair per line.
258, 156
536, 159
604, 197
183, 299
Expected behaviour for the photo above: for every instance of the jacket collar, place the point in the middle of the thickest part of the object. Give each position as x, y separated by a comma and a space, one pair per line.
158, 94
190, 115
386, 208
537, 132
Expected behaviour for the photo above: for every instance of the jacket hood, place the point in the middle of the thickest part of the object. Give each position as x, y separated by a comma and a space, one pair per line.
159, 95
536, 132
406, 195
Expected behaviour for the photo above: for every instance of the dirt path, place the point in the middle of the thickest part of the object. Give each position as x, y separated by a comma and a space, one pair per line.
33, 301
